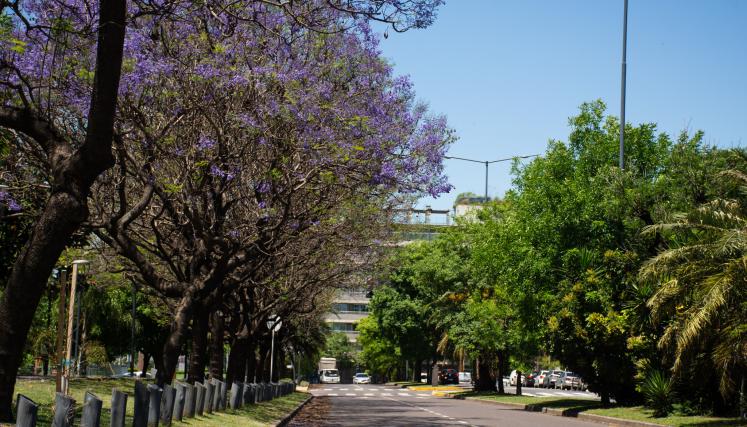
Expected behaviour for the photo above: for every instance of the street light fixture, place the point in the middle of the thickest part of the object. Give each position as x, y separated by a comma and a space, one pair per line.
488, 162
622, 84
273, 324
78, 267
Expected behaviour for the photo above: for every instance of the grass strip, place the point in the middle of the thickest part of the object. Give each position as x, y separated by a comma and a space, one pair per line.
634, 413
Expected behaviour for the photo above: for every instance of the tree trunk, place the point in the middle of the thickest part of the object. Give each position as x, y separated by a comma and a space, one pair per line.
501, 372
485, 379
66, 208
197, 360
263, 367
605, 397
416, 371
217, 327
173, 345
251, 361
237, 361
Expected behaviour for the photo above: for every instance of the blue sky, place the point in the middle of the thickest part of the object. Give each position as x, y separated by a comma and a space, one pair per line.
508, 74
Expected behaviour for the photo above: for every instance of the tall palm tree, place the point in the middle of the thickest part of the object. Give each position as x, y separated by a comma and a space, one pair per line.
702, 281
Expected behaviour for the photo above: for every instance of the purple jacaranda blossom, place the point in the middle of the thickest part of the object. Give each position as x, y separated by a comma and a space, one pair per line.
263, 187
262, 204
205, 143
220, 173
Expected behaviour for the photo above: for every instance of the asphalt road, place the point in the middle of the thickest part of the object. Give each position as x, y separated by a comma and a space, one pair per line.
370, 405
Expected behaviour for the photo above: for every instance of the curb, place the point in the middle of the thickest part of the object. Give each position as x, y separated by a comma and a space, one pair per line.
293, 413
601, 419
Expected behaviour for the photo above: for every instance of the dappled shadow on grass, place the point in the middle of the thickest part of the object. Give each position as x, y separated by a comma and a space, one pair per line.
716, 423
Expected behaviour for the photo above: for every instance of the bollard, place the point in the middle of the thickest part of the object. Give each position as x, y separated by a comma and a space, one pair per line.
190, 400
268, 391
167, 404
221, 396
64, 411
247, 397
216, 396
154, 405
179, 398
258, 392
237, 396
119, 408
91, 416
142, 399
209, 390
200, 403
26, 412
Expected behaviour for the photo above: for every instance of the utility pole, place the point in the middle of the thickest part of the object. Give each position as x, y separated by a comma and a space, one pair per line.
60, 328
622, 85
132, 332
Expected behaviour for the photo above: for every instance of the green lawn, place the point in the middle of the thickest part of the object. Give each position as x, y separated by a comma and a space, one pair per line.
42, 392
637, 413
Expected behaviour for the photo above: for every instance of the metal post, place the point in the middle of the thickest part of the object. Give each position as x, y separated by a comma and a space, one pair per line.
78, 303
70, 320
486, 181
132, 333
272, 352
622, 86
60, 336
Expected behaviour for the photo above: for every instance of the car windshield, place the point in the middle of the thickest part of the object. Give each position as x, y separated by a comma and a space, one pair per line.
570, 374
557, 372
361, 375
331, 372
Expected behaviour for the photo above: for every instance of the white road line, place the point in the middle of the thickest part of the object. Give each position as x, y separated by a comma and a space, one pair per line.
403, 394
332, 394
368, 394
386, 394
327, 389
359, 389
350, 394
342, 389
423, 395
462, 422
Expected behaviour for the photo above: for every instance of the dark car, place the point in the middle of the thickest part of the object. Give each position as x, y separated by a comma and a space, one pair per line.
448, 376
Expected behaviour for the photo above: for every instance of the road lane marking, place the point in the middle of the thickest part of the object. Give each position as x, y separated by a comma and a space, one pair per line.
462, 422
404, 394
332, 394
423, 395
350, 394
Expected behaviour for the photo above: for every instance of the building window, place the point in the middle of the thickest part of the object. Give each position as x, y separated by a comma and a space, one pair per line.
351, 308
343, 327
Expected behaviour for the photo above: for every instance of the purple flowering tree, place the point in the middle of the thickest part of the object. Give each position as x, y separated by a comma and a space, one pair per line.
256, 158
60, 68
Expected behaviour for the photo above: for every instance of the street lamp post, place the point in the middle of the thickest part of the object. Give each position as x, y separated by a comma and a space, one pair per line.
77, 265
622, 84
488, 162
273, 324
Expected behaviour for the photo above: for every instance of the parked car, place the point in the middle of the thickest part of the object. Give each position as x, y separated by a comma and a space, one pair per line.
448, 376
329, 376
465, 377
361, 378
551, 380
539, 379
424, 377
512, 378
565, 380
531, 379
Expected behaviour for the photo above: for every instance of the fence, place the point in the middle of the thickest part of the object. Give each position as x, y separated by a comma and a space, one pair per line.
154, 405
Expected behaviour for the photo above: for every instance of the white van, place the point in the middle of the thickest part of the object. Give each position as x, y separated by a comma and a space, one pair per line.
329, 376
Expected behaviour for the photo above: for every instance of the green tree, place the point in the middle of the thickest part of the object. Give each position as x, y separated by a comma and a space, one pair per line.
702, 291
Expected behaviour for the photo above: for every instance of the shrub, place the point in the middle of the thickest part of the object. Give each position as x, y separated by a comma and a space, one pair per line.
657, 390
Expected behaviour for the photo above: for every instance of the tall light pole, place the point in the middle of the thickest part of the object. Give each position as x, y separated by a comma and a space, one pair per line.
273, 324
60, 333
622, 84
488, 162
77, 264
